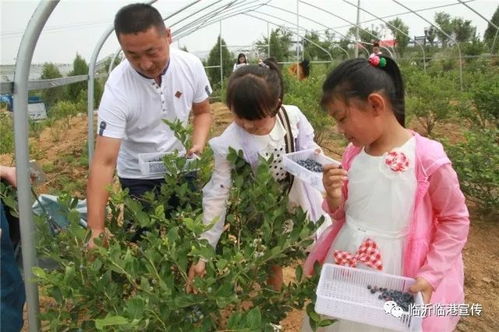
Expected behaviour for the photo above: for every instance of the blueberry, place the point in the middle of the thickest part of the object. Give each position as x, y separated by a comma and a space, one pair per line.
403, 299
194, 314
311, 165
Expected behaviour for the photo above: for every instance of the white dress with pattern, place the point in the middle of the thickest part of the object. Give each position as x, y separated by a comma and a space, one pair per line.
216, 191
379, 206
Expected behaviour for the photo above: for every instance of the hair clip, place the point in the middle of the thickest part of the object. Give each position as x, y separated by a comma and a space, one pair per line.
264, 65
377, 61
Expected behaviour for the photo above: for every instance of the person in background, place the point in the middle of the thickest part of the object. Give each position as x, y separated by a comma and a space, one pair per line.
261, 122
301, 70
376, 49
153, 84
12, 291
240, 62
396, 192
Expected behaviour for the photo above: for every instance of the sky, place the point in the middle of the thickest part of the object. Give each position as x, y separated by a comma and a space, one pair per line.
75, 26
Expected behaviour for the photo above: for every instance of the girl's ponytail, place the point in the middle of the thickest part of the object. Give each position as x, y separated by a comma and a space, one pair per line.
398, 102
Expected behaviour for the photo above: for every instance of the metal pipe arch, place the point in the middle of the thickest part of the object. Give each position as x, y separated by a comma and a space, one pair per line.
21, 131
405, 34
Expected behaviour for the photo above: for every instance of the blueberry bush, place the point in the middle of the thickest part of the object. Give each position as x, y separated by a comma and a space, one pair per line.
429, 99
476, 157
125, 285
476, 162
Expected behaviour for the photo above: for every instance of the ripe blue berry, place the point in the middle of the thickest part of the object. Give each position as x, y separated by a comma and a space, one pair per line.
403, 299
311, 165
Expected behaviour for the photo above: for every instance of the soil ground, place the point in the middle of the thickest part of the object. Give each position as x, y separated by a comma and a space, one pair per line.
59, 150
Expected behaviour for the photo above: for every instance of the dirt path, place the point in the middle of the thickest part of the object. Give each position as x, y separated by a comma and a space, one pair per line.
57, 149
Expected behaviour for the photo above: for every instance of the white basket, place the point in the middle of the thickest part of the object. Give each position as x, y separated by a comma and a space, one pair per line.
312, 178
37, 111
342, 293
151, 164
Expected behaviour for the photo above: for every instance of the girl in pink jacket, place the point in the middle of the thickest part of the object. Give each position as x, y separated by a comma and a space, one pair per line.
395, 189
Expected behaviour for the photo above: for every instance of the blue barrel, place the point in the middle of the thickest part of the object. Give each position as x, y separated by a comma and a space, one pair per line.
34, 100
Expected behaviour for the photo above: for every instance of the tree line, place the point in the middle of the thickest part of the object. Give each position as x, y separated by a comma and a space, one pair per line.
280, 42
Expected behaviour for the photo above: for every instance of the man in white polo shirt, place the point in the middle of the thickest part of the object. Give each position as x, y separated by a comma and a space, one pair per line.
152, 84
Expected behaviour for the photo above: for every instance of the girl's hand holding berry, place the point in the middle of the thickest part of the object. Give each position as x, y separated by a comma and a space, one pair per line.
333, 178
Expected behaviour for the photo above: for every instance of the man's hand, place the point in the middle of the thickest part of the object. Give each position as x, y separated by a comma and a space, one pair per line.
103, 234
196, 270
196, 149
423, 286
9, 174
95, 234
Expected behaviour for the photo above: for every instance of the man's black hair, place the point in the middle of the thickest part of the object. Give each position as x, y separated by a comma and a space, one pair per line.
138, 17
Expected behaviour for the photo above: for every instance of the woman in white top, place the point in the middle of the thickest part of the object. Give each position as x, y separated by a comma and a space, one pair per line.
254, 95
240, 62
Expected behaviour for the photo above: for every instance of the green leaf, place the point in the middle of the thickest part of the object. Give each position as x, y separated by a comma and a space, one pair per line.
135, 307
173, 235
74, 203
221, 264
190, 224
312, 314
39, 272
234, 320
326, 322
183, 301
299, 273
204, 251
254, 318
96, 265
110, 321
143, 219
225, 290
159, 211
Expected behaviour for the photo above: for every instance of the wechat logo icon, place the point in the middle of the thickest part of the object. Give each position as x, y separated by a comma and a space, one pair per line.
393, 309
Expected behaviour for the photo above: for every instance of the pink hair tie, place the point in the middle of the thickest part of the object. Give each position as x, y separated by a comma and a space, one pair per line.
377, 61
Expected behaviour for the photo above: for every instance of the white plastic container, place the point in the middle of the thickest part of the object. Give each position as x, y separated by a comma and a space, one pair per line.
152, 163
37, 111
312, 178
342, 293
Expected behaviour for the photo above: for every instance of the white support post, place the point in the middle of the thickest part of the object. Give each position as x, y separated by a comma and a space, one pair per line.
21, 131
221, 58
356, 50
